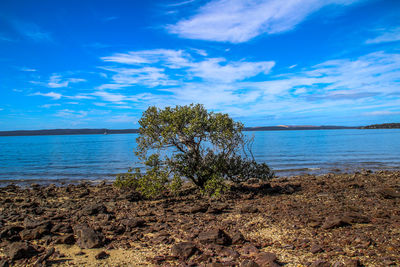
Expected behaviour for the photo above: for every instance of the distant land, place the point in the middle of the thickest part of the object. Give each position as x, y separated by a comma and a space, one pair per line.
124, 131
383, 126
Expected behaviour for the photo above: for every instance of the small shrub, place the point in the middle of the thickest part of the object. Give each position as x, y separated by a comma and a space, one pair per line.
203, 147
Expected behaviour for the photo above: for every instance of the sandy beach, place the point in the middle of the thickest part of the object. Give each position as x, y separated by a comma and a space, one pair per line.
327, 220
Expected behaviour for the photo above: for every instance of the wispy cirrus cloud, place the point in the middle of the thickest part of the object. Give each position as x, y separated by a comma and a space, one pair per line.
50, 105
52, 95
238, 21
67, 113
57, 96
385, 36
381, 113
32, 31
28, 69
57, 81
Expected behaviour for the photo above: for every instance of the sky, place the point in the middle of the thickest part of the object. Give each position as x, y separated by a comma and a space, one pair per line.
100, 64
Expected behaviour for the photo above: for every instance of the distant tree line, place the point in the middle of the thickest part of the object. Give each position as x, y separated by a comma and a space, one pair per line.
383, 126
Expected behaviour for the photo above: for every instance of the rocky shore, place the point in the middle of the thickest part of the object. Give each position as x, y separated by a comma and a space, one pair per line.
328, 220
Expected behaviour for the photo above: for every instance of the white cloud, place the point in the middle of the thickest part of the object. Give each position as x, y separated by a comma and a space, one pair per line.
67, 113
381, 113
172, 58
28, 69
212, 69
56, 81
246, 88
149, 76
49, 105
181, 3
79, 97
111, 97
53, 95
238, 21
386, 35
151, 68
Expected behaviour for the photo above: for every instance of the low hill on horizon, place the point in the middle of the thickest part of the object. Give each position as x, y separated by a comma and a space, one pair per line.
124, 131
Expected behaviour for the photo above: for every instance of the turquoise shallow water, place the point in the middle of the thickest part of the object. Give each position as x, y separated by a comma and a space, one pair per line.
98, 157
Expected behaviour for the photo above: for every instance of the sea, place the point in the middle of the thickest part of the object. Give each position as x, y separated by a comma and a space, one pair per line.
64, 159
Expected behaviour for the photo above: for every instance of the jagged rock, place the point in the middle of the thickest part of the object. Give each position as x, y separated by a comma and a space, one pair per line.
68, 239
250, 249
216, 236
10, 231
94, 209
249, 263
20, 250
62, 228
248, 209
238, 238
354, 217
315, 248
184, 250
45, 256
87, 237
102, 255
334, 222
389, 193
133, 222
216, 209
196, 209
266, 259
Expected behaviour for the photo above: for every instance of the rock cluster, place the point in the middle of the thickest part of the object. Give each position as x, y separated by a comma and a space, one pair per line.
328, 220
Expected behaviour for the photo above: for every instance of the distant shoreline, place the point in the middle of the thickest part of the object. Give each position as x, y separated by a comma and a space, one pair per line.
129, 131
125, 131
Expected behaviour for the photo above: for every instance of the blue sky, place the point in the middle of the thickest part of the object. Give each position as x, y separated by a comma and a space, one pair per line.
95, 64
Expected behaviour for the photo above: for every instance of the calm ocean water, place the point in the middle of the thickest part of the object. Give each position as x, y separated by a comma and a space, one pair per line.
98, 157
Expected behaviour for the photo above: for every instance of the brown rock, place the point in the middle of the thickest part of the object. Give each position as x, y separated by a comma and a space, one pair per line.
354, 217
266, 259
250, 249
184, 250
102, 255
10, 231
133, 222
87, 237
352, 263
20, 250
216, 236
45, 256
94, 209
249, 263
315, 248
197, 208
389, 193
238, 238
334, 222
230, 253
68, 239
249, 209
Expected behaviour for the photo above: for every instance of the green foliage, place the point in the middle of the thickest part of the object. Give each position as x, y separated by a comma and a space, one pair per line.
215, 186
189, 142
